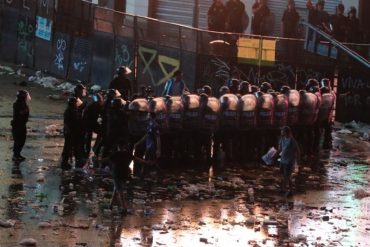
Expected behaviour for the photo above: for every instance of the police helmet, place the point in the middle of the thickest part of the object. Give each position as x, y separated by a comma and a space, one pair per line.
224, 90
244, 87
123, 70
207, 89
285, 89
325, 82
265, 87
311, 83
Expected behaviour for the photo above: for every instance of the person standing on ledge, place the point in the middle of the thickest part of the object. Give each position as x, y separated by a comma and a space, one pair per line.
21, 114
175, 86
122, 83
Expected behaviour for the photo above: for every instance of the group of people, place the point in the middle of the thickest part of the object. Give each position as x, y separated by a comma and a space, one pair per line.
341, 27
231, 17
240, 124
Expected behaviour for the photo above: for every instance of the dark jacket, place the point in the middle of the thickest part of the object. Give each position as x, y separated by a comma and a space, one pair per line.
123, 85
21, 113
72, 121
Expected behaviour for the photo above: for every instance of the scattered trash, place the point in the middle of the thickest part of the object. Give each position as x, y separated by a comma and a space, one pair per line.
95, 88
268, 158
361, 193
52, 130
7, 224
325, 218
45, 224
203, 240
28, 242
345, 131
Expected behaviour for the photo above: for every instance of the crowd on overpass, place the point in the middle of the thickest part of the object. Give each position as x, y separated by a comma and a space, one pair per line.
232, 17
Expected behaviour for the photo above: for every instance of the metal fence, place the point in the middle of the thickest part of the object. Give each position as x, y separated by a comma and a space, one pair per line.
77, 40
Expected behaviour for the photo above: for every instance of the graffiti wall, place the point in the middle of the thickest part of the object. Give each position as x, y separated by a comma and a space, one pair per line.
215, 71
353, 99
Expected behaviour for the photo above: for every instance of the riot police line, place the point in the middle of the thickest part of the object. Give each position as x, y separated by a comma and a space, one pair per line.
241, 126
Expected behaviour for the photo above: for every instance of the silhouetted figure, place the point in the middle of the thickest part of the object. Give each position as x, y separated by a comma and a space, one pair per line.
260, 14
217, 16
21, 114
354, 30
290, 21
235, 12
340, 24
122, 83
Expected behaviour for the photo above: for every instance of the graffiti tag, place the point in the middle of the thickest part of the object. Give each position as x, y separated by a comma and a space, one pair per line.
61, 46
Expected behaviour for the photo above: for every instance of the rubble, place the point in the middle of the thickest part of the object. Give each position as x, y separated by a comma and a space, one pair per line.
361, 193
28, 242
7, 224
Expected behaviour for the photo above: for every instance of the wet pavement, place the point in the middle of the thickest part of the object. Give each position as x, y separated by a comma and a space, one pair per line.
204, 206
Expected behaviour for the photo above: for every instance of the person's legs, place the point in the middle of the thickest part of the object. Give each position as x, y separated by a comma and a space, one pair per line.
67, 151
87, 146
287, 178
19, 136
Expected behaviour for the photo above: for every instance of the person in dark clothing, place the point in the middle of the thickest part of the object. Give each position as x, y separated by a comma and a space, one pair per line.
122, 83
354, 31
318, 16
290, 156
21, 114
90, 118
120, 161
235, 11
73, 130
260, 13
340, 24
217, 16
152, 140
111, 94
290, 21
80, 92
117, 127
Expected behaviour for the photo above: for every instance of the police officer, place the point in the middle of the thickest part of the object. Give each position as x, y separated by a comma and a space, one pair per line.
111, 94
80, 92
244, 88
90, 118
20, 118
73, 130
265, 87
122, 83
117, 127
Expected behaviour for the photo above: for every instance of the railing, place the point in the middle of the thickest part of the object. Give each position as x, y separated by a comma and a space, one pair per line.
313, 37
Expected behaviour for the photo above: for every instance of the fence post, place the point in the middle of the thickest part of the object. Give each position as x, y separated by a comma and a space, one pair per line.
259, 59
136, 53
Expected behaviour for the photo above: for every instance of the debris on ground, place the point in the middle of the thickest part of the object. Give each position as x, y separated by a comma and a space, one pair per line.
28, 242
361, 193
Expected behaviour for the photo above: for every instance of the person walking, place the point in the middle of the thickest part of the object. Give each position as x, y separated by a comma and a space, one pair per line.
290, 153
73, 133
21, 114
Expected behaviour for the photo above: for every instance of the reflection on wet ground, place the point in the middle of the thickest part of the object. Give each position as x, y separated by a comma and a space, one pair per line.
236, 206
